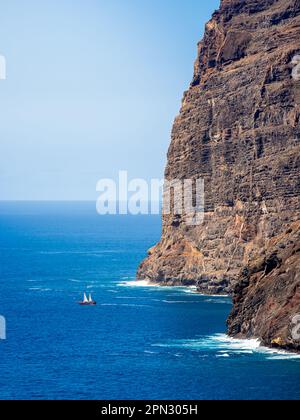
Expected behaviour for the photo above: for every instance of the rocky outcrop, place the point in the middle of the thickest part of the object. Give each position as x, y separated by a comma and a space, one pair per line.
267, 297
238, 129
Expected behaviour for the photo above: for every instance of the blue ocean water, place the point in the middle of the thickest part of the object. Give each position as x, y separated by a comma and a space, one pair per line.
139, 342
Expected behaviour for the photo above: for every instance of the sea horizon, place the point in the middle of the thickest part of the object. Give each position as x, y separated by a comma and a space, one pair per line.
135, 332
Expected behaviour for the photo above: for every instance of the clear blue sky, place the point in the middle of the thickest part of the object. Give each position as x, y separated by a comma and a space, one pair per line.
92, 88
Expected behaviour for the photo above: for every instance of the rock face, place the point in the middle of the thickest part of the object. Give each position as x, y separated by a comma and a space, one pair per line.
239, 130
267, 297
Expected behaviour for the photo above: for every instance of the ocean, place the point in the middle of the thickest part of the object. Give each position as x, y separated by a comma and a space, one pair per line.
139, 342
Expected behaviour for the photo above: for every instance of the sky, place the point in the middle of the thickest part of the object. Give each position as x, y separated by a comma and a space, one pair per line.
92, 88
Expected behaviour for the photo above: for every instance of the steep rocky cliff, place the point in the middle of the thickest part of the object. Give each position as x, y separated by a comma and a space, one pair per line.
267, 297
239, 130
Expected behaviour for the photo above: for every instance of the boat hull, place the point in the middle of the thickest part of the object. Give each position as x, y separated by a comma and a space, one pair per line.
88, 303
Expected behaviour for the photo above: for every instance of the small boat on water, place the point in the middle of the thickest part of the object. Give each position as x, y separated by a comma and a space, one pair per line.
87, 301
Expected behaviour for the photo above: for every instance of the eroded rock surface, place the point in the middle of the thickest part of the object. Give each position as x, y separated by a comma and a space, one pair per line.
267, 296
238, 129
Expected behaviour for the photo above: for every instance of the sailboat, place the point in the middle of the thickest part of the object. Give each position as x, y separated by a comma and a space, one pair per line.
88, 301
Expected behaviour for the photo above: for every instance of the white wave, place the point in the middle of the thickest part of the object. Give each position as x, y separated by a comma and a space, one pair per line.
219, 301
223, 355
222, 341
176, 291
157, 286
191, 290
137, 283
225, 345
280, 355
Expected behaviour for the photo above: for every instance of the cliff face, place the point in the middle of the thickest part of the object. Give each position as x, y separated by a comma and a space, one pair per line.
238, 129
267, 297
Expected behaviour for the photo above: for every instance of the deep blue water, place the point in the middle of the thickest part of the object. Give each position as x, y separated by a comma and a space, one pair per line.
138, 342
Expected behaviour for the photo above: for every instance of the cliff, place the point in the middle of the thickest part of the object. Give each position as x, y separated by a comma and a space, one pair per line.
238, 129
267, 297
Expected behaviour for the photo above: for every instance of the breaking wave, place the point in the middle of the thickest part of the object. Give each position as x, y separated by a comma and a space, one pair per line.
146, 283
137, 283
223, 346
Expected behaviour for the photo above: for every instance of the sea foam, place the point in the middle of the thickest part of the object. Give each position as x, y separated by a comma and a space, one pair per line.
147, 283
137, 283
224, 346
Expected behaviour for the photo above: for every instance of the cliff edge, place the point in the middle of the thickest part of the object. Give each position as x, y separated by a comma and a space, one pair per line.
238, 129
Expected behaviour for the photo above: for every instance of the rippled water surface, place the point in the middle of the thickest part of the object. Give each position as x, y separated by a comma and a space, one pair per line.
139, 342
